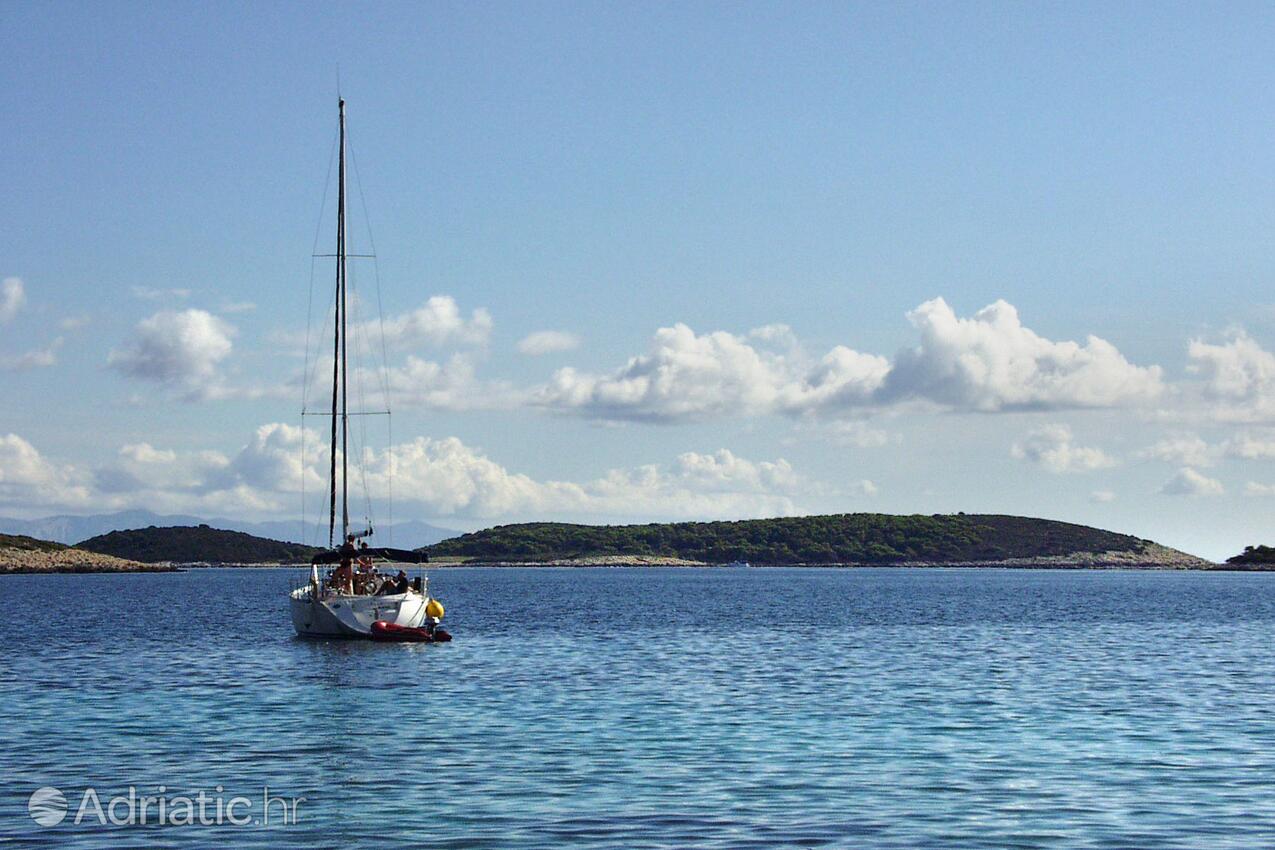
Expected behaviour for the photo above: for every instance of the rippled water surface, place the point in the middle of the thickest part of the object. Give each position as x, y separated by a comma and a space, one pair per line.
659, 708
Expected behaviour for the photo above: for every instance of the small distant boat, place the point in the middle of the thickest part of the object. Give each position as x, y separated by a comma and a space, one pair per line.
737, 564
356, 598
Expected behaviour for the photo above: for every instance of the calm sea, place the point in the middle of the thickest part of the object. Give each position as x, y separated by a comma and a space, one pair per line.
634, 708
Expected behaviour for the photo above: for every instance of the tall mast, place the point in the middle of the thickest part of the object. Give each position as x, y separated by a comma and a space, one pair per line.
345, 413
337, 324
338, 359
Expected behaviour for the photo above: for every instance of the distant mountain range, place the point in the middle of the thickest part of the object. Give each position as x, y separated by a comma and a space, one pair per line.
71, 529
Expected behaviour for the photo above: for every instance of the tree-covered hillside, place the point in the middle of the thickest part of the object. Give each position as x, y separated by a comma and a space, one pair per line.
28, 544
196, 544
1253, 556
834, 539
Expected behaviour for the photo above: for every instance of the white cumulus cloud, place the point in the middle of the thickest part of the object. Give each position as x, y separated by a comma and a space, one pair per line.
1236, 369
548, 342
27, 478
178, 349
1251, 446
1238, 377
146, 453
1191, 450
842, 379
723, 470
989, 362
436, 323
1052, 447
992, 362
274, 460
1183, 450
1188, 482
448, 478
775, 334
142, 475
687, 376
435, 477
450, 385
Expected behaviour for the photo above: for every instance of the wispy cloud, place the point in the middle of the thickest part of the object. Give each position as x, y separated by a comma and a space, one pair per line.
36, 358
849, 433
548, 342
1182, 449
13, 295
148, 293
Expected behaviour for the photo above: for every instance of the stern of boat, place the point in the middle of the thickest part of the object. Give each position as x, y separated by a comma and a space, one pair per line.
342, 615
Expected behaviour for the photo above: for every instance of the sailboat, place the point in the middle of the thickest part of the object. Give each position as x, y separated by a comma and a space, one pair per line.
357, 597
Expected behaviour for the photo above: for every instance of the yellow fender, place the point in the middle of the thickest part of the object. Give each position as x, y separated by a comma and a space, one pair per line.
434, 608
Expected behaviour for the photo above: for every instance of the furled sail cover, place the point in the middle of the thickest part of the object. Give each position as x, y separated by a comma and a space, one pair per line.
399, 556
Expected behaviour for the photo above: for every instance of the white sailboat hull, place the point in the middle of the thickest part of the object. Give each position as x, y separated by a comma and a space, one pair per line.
341, 615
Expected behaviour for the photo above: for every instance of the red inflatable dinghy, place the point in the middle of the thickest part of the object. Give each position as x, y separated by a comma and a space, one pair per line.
385, 631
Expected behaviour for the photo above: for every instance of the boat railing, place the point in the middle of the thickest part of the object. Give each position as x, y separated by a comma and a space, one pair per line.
299, 581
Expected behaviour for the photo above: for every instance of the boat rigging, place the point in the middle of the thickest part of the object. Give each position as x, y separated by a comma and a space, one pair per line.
355, 599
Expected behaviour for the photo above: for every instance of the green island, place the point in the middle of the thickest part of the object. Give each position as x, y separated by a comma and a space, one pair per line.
944, 540
197, 544
836, 539
1253, 558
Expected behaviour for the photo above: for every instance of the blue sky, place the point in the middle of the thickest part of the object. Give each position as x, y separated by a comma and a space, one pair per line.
606, 172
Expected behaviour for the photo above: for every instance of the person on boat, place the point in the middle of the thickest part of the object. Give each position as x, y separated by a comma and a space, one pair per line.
398, 584
386, 586
343, 578
343, 575
368, 579
366, 574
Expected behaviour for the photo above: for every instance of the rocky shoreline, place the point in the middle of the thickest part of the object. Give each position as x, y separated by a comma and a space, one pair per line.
13, 561
1152, 557
1020, 564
